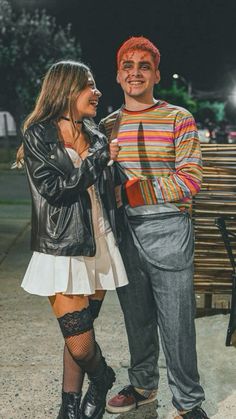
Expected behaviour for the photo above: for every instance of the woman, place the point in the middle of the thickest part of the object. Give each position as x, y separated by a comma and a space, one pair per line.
75, 257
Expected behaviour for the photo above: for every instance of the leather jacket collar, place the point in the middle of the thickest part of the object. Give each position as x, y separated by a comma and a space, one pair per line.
51, 134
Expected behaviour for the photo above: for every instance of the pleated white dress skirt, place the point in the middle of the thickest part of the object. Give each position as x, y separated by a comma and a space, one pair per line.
47, 274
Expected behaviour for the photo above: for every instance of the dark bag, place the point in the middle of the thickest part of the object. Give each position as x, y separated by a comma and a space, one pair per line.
165, 237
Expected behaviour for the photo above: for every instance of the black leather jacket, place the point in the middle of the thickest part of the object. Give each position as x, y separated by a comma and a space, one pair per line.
61, 206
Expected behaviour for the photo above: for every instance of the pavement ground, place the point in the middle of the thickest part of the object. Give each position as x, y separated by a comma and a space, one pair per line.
32, 345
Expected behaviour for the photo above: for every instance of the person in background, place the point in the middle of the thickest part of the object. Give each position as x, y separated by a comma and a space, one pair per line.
75, 255
158, 171
221, 133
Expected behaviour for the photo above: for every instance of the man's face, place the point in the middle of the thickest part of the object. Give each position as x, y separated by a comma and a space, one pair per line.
137, 74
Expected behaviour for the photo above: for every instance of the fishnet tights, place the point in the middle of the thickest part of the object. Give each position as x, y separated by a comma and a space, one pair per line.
84, 350
73, 375
81, 354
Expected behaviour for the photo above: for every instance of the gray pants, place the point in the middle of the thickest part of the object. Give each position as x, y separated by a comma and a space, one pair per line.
165, 298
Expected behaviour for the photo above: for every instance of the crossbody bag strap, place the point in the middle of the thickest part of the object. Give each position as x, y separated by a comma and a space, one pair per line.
116, 125
113, 135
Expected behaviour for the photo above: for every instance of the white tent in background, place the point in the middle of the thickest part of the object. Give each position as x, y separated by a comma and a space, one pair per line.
7, 124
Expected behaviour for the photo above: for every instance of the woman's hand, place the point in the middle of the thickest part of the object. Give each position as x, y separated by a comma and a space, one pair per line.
114, 149
118, 196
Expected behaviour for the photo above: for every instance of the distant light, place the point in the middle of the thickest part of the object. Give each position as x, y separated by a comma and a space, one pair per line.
188, 83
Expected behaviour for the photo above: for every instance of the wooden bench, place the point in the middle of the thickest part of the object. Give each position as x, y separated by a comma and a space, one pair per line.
213, 270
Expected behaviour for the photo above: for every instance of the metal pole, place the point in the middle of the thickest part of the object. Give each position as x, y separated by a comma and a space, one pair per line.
190, 89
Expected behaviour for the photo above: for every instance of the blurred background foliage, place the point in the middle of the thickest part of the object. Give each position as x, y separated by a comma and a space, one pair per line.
29, 43
201, 109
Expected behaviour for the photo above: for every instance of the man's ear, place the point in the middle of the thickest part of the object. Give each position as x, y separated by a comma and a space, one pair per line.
118, 77
158, 76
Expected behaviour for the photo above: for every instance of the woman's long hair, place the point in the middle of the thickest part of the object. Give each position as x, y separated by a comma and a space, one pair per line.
60, 89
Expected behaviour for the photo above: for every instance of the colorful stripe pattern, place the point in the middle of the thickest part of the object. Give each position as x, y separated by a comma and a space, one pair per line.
160, 154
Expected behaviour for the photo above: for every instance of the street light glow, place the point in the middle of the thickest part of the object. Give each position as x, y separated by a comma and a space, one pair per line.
186, 82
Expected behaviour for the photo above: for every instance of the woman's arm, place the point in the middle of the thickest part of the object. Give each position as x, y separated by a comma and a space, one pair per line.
50, 179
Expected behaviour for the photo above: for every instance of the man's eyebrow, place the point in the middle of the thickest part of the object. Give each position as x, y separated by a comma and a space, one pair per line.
145, 62
131, 61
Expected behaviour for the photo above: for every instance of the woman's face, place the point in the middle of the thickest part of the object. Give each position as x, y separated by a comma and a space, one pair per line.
87, 101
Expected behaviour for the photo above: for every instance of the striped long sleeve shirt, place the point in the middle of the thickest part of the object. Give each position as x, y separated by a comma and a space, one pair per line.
160, 154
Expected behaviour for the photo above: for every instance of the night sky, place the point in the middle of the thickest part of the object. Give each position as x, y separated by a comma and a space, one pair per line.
196, 38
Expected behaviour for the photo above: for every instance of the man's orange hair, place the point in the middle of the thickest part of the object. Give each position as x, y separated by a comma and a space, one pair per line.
138, 43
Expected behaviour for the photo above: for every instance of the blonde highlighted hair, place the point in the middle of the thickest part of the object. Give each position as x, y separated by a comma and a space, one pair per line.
61, 86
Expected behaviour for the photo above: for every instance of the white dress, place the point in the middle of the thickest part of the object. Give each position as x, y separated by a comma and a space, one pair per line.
48, 274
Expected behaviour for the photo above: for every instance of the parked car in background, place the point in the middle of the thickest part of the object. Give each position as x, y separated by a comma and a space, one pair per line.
231, 134
220, 133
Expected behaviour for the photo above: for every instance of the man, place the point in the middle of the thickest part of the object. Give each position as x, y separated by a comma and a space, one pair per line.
160, 166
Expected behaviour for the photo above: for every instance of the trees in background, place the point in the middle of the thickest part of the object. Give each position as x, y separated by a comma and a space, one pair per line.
177, 96
29, 43
211, 111
202, 110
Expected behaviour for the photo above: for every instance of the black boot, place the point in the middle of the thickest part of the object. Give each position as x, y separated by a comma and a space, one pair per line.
94, 401
70, 407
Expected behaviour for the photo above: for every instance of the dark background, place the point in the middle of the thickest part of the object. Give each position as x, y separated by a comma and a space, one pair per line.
196, 38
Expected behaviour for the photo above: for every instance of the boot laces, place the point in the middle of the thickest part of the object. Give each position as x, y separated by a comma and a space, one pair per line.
94, 393
127, 391
74, 409
98, 388
130, 391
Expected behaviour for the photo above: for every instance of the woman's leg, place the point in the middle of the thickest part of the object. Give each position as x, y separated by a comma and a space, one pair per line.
102, 378
76, 322
64, 306
73, 374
